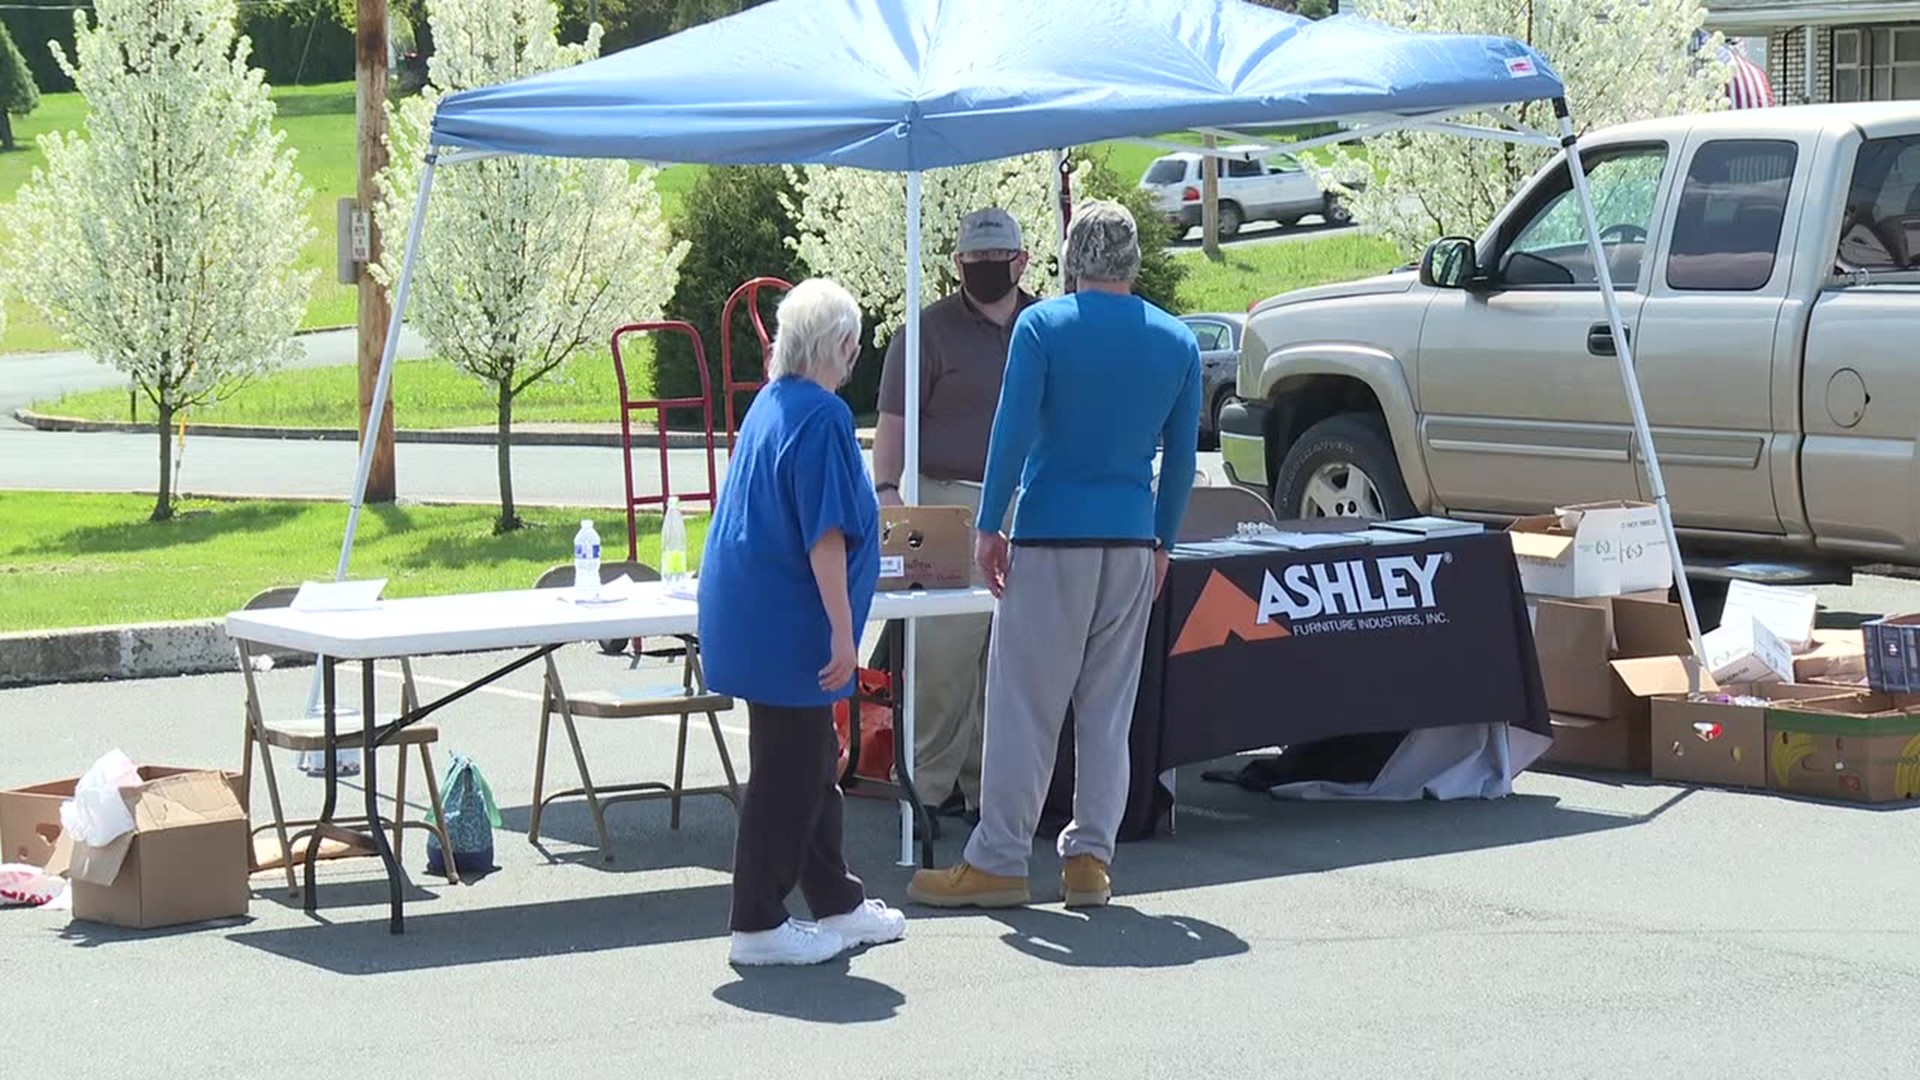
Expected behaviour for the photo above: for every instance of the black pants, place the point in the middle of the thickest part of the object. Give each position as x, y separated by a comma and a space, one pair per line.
790, 820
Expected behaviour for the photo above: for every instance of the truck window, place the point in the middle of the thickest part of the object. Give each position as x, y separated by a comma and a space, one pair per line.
1726, 231
1550, 247
1880, 225
1243, 168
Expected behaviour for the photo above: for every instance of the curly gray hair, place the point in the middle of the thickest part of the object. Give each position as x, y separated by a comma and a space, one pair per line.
1103, 244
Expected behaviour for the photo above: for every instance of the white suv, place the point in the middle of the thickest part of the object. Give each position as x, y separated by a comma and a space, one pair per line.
1275, 188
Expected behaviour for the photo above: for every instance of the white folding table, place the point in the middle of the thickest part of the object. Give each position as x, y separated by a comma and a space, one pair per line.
536, 620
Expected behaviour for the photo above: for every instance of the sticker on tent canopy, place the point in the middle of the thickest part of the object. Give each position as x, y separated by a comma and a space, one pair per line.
1520, 67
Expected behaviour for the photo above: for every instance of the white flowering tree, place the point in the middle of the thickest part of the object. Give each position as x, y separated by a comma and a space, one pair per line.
164, 239
852, 226
525, 260
1621, 60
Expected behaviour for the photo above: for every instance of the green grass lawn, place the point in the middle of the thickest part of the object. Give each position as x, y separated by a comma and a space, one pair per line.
1249, 272
86, 560
426, 394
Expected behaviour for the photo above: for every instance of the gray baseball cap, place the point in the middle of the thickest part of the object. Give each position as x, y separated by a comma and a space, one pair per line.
992, 229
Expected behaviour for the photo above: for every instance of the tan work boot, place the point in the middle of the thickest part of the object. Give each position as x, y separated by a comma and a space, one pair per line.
1084, 882
966, 886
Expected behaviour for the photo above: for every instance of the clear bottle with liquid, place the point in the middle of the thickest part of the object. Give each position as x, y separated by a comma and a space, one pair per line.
586, 562
673, 544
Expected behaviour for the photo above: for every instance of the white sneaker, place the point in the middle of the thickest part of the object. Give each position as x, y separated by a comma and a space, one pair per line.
788, 943
872, 923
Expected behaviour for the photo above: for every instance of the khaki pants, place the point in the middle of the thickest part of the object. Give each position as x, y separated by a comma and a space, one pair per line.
949, 692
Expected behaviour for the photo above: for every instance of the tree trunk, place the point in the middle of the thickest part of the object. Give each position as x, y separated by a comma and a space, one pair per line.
503, 449
163, 500
6, 130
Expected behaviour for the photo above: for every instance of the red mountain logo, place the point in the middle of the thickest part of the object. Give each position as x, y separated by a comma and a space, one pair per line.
1222, 613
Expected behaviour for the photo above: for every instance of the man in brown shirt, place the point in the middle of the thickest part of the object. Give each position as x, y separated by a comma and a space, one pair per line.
963, 355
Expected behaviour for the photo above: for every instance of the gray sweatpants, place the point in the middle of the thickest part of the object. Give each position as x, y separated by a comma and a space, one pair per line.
1070, 628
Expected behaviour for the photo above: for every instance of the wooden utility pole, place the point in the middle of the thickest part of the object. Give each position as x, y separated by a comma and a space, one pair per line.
1210, 200
370, 107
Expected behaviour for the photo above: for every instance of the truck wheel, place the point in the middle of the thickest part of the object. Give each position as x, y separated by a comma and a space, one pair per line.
1344, 466
1337, 213
1231, 218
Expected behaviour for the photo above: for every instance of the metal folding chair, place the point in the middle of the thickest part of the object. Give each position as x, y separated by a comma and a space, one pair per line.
692, 697
1215, 513
309, 734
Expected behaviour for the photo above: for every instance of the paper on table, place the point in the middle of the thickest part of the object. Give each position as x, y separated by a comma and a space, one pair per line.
339, 595
617, 591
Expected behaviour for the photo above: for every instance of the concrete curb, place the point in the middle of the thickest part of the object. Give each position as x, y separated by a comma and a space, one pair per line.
647, 440
135, 651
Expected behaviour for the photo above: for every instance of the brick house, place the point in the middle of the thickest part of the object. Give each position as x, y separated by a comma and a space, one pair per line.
1861, 50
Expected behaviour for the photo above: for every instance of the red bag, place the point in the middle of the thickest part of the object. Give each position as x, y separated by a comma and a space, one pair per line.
873, 693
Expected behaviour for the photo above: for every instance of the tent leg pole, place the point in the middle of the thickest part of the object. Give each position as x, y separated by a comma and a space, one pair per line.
910, 494
1623, 352
384, 383
382, 387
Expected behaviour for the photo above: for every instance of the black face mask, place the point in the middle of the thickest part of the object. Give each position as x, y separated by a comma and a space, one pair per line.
987, 282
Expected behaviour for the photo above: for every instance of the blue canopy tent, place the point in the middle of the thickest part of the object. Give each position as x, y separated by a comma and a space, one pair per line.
911, 85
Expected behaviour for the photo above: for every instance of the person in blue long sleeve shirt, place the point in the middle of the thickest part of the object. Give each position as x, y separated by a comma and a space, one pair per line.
1097, 383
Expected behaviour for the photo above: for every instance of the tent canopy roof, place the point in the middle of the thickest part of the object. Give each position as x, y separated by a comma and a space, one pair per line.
905, 85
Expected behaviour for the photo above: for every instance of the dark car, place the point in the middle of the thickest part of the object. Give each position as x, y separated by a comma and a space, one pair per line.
1219, 336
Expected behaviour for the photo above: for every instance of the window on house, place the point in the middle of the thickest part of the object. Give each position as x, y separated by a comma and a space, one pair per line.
1876, 63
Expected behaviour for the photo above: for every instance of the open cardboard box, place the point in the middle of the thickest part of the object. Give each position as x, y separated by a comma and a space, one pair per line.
1858, 748
926, 547
1600, 698
1568, 563
184, 862
1645, 564
1835, 654
1721, 743
30, 816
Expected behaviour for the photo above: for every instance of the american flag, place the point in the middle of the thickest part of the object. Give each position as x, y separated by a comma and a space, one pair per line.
1747, 84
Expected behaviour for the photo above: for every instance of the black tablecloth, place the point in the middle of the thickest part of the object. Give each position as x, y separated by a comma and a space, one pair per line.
1354, 642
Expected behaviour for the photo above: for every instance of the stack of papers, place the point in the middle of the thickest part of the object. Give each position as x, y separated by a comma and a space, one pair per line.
1435, 527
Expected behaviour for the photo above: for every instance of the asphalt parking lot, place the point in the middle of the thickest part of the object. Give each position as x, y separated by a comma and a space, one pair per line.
1583, 927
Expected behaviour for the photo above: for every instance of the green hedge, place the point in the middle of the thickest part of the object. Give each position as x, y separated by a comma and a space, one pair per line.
280, 38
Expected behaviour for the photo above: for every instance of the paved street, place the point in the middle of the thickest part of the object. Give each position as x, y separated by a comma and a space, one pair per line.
1581, 928
27, 378
543, 475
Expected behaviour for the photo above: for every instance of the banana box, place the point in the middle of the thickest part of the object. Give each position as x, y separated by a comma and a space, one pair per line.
926, 547
1862, 748
1720, 737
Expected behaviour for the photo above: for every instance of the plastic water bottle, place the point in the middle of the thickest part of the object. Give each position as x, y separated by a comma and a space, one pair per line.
673, 544
586, 562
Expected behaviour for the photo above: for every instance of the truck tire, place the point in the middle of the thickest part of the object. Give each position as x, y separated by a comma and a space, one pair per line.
1344, 466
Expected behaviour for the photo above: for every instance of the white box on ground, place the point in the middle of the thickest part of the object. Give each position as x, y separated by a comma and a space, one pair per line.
1577, 563
1646, 563
1743, 650
1788, 613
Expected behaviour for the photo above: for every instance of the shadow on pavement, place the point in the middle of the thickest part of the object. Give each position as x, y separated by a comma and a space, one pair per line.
1115, 936
822, 994
486, 935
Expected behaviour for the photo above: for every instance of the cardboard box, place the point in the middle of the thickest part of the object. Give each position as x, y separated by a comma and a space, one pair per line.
1652, 656
1568, 563
926, 547
184, 862
1787, 613
1859, 748
1645, 561
1744, 650
1721, 743
1892, 646
1597, 744
30, 816
1834, 654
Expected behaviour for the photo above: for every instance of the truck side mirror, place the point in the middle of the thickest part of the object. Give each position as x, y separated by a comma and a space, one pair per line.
1450, 263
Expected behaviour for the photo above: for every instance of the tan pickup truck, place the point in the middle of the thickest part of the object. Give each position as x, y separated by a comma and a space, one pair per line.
1769, 262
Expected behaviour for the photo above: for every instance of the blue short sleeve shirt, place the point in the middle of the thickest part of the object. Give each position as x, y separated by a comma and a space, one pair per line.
795, 473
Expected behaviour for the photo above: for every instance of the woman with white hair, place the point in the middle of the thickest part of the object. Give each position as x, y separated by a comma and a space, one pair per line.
792, 557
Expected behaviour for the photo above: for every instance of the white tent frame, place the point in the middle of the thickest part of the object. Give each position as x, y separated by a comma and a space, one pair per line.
1448, 121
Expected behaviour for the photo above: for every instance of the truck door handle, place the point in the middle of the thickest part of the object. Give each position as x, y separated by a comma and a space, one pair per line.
1600, 339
